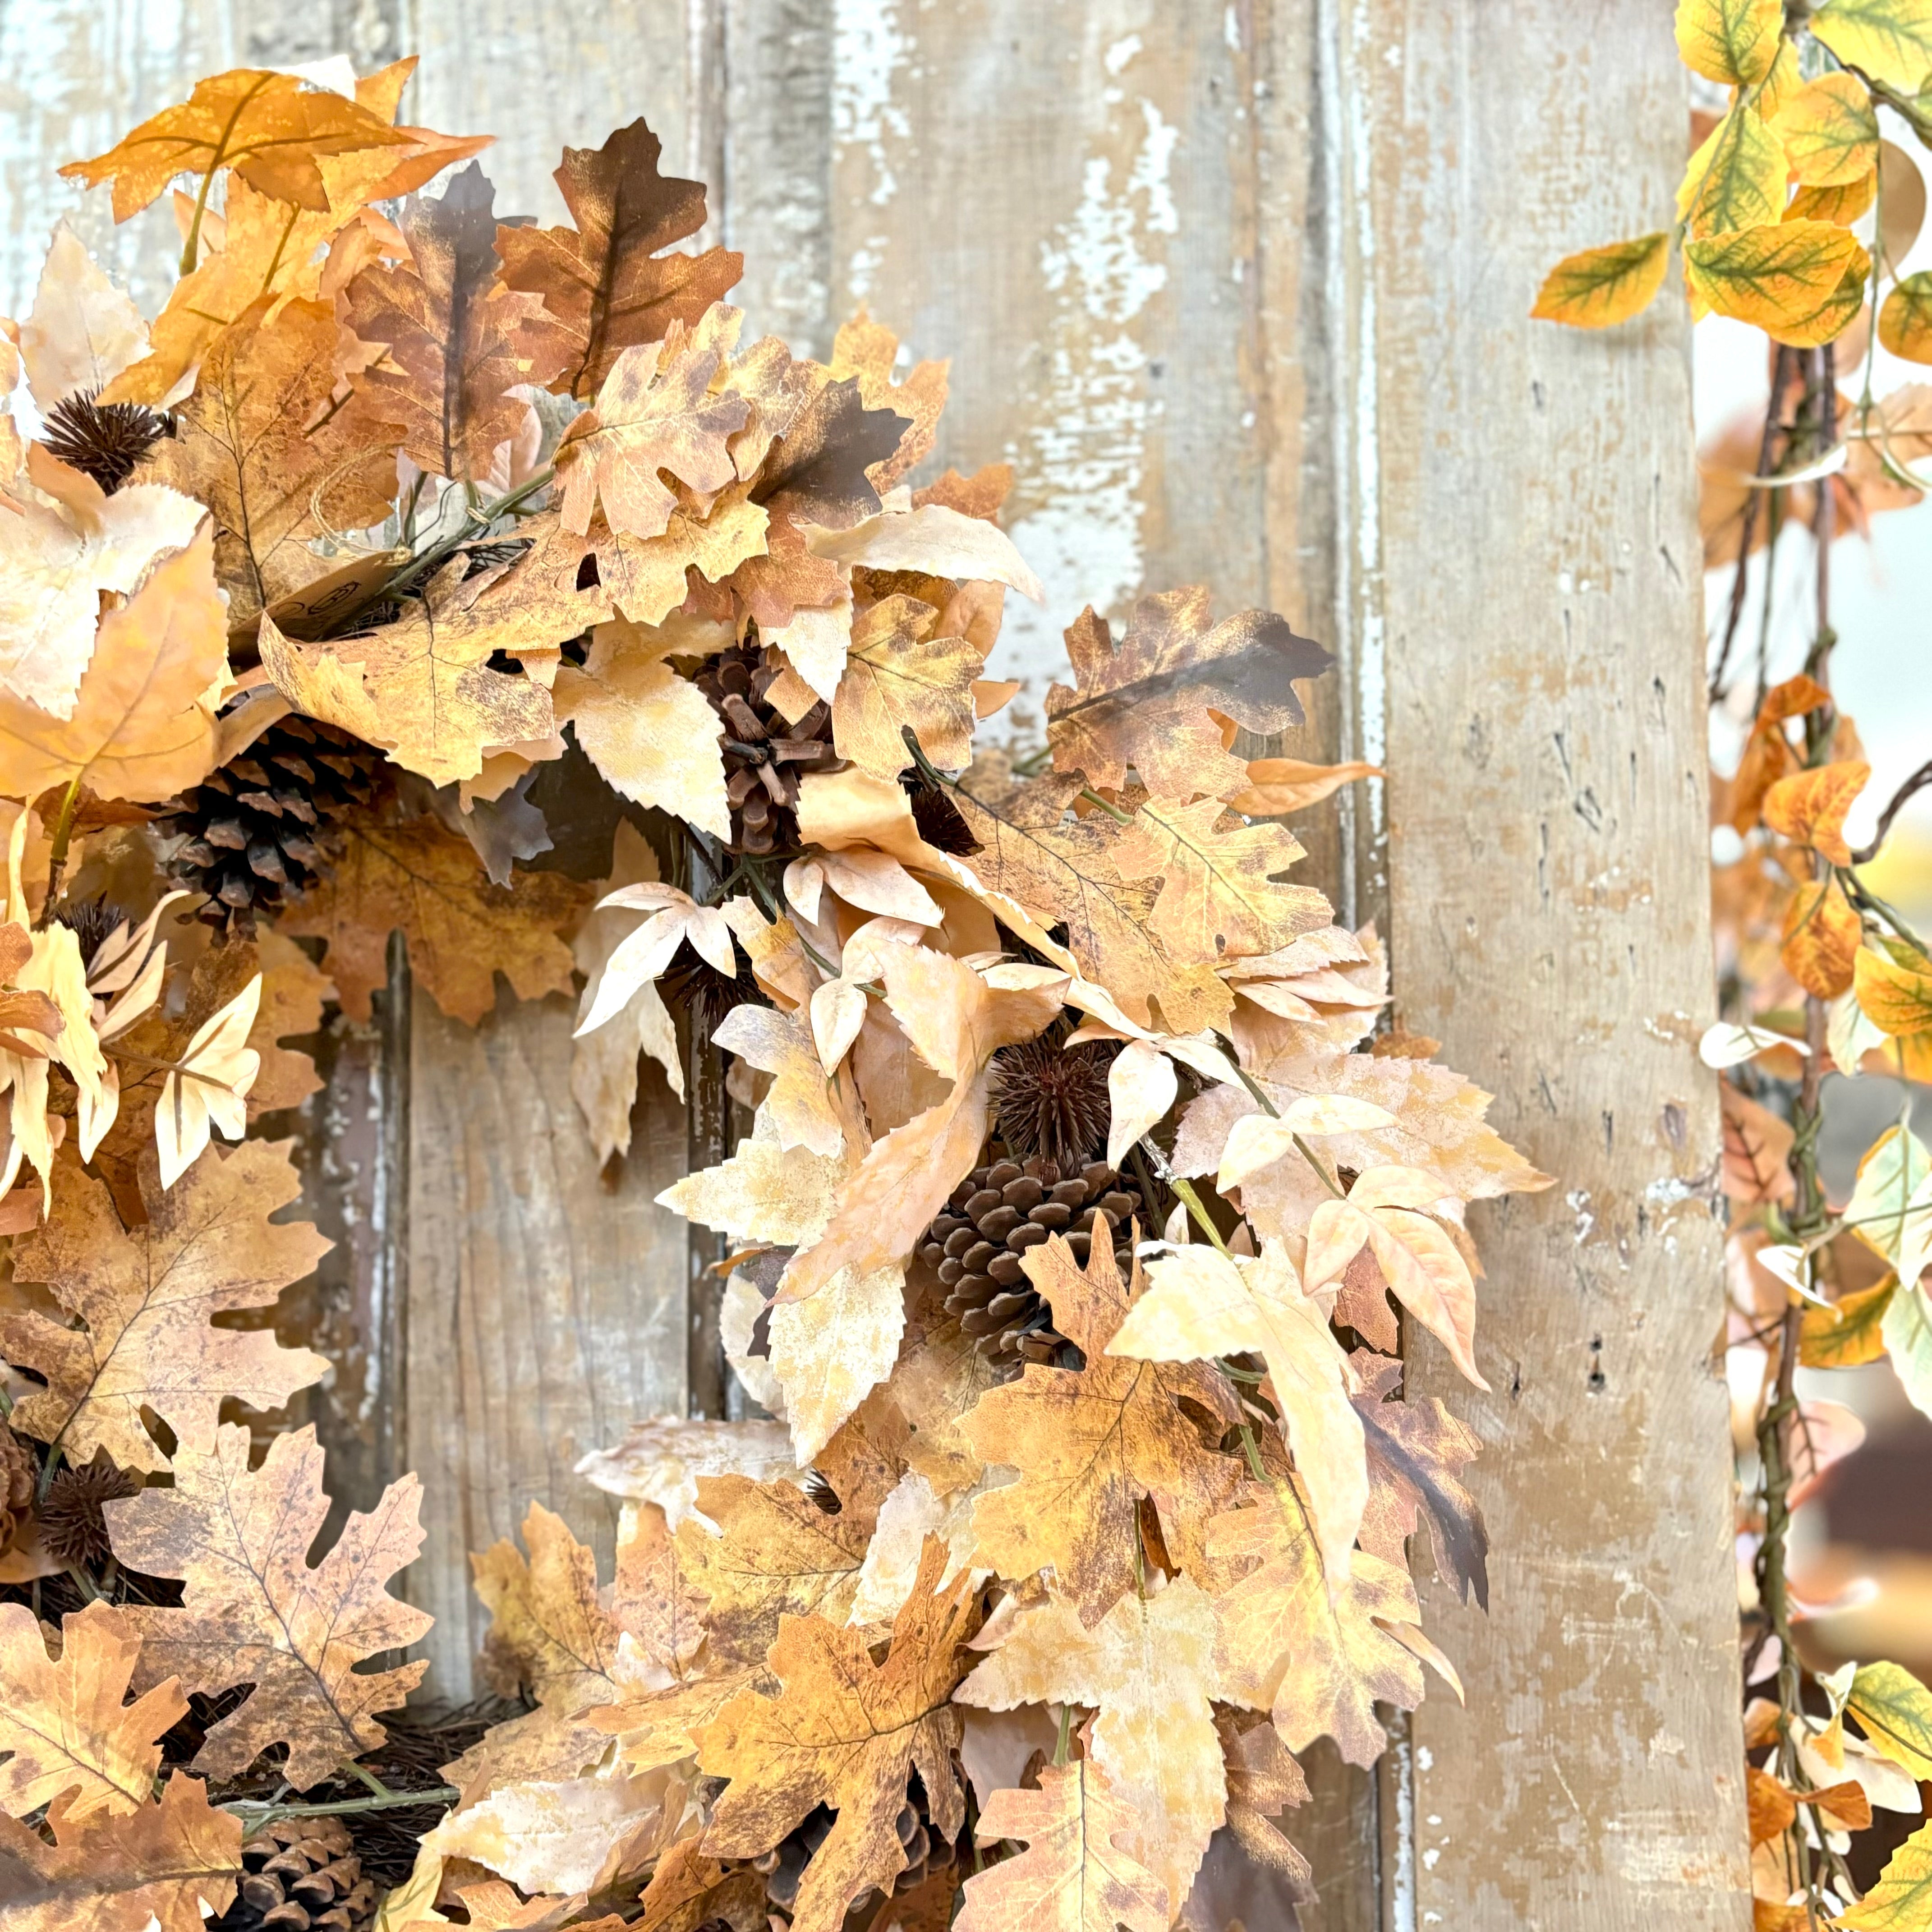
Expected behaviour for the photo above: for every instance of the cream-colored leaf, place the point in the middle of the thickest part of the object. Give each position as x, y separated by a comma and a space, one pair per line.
83, 331
209, 1091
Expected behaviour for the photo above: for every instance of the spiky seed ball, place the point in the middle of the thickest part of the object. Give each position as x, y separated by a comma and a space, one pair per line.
73, 1529
1052, 1100
692, 985
103, 440
941, 824
91, 921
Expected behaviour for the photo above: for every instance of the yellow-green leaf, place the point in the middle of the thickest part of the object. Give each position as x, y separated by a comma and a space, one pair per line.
1840, 309
1734, 41
1894, 1710
1897, 996
1736, 179
1842, 204
1777, 277
1829, 131
1786, 77
1901, 1901
1849, 1333
1905, 321
1889, 40
1602, 286
1908, 1341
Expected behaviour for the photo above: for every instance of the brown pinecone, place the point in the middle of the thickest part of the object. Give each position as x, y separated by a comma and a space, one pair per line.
764, 754
73, 1529
301, 1875
18, 1472
103, 440
260, 828
783, 1866
994, 1217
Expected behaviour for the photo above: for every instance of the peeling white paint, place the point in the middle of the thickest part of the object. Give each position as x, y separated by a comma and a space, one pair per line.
1578, 1201
1084, 462
869, 48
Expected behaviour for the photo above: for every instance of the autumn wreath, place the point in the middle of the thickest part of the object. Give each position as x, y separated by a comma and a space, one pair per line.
1077, 1177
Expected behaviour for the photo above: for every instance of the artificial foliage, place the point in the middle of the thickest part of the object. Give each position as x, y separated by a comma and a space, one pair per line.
1084, 1203
1797, 209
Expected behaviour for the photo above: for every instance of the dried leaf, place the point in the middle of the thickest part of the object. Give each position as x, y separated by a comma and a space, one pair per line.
64, 1723
1757, 1146
83, 331
255, 1611
845, 1732
1810, 806
819, 470
936, 541
1146, 703
1089, 1443
607, 285
576, 1835
1823, 932
868, 350
1147, 1668
208, 1089
1279, 785
462, 930
148, 1299
896, 675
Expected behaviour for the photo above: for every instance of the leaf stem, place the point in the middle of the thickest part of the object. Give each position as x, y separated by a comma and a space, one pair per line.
63, 836
260, 1814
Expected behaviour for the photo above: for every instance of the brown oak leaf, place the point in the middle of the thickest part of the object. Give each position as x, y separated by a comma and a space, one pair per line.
845, 1732
867, 349
1089, 1443
896, 675
820, 470
63, 1719
1146, 702
690, 1889
462, 930
148, 1299
255, 1611
607, 284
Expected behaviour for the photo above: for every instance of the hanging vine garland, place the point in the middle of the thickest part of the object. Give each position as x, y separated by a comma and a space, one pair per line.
1062, 1240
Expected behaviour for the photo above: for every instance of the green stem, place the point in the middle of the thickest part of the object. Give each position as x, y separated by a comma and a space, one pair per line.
63, 837
1066, 1734
1113, 811
259, 1816
1196, 1212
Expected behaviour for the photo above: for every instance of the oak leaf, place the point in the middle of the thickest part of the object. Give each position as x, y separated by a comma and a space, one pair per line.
1075, 1875
448, 330
142, 723
148, 1299
55, 558
1295, 1639
607, 284
868, 350
64, 1723
269, 128
1203, 1302
259, 443
83, 331
161, 1866
1147, 1668
898, 676
255, 1611
846, 1733
646, 578
1145, 702
819, 471
1091, 1443
689, 1889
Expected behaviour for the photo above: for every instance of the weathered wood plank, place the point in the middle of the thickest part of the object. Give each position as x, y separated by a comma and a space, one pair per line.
1529, 533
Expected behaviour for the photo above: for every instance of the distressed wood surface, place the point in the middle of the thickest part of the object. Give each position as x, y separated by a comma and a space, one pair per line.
1241, 293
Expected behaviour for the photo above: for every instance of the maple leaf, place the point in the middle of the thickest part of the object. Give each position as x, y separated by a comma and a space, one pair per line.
157, 1867
1202, 1302
1148, 1669
56, 558
1417, 1450
149, 1298
897, 675
83, 331
254, 1611
462, 930
1315, 1653
1388, 1208
142, 724
268, 128
846, 1733
1091, 1443
448, 331
1063, 870
64, 1723
607, 284
656, 412
258, 443
1217, 897
652, 734
1145, 702
1075, 1875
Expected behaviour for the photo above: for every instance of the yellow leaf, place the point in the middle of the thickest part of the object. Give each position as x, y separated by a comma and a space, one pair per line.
1905, 318
1786, 77
897, 674
1889, 40
1777, 276
1736, 180
1829, 131
1901, 1901
1600, 287
1847, 1334
1810, 806
1733, 41
1822, 934
1896, 998
1840, 206
1894, 1710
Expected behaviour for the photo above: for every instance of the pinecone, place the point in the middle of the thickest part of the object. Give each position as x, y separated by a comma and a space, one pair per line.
301, 1875
259, 829
764, 754
103, 440
18, 1472
73, 1529
996, 1214
783, 1866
